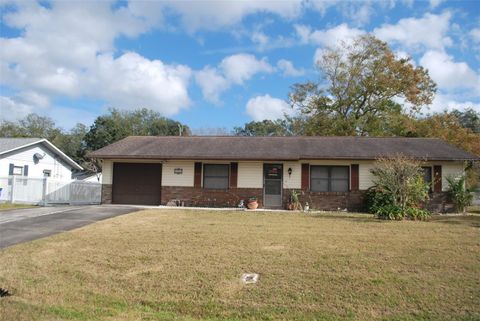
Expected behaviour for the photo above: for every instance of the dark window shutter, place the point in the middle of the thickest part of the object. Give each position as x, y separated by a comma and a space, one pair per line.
25, 170
354, 177
233, 175
197, 178
10, 169
437, 184
305, 176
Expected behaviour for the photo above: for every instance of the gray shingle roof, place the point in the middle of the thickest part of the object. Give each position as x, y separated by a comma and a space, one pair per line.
7, 144
279, 148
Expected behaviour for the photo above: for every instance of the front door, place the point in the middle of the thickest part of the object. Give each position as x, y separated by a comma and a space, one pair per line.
272, 185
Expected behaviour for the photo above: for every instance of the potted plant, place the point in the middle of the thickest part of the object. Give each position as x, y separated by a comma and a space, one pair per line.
252, 203
294, 201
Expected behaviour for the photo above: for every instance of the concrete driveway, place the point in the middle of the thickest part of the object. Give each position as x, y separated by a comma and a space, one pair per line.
22, 225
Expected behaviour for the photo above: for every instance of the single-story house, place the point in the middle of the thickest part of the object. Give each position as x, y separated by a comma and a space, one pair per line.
34, 157
331, 172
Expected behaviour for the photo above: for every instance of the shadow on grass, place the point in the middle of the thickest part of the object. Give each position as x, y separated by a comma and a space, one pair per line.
358, 218
465, 220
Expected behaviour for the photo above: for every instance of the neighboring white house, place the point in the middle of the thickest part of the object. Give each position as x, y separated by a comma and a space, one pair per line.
88, 177
34, 157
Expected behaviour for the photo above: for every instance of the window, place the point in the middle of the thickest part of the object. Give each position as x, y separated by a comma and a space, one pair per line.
18, 170
329, 178
215, 176
47, 173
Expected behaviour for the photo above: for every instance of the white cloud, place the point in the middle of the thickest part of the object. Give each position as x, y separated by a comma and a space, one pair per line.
212, 83
327, 37
260, 38
475, 35
11, 109
214, 15
449, 74
266, 107
426, 32
132, 81
288, 69
67, 50
435, 3
241, 67
447, 102
234, 69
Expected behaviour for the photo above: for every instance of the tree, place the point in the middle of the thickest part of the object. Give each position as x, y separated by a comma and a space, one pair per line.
360, 80
117, 125
279, 127
72, 143
32, 125
469, 119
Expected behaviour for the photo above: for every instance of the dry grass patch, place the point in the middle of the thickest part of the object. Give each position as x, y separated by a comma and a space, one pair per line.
186, 265
10, 206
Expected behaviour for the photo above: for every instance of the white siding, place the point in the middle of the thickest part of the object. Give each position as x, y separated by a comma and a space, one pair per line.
294, 180
454, 169
107, 172
59, 169
250, 175
169, 178
365, 177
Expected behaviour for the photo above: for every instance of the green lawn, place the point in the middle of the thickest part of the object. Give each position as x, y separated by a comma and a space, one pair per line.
186, 265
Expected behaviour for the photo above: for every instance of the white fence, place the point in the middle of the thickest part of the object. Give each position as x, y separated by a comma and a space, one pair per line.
43, 191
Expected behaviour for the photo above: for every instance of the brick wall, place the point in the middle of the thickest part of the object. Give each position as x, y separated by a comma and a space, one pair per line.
328, 201
106, 193
212, 198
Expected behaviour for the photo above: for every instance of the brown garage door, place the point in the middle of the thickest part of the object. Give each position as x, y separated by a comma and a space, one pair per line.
137, 183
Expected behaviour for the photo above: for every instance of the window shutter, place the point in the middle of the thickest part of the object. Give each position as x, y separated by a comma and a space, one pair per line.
233, 175
305, 176
25, 170
197, 179
354, 177
437, 174
10, 169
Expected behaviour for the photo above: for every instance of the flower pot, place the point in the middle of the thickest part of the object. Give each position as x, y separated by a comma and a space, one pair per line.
290, 206
252, 205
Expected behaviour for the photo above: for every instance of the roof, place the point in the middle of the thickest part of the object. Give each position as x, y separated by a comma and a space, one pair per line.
279, 148
8, 145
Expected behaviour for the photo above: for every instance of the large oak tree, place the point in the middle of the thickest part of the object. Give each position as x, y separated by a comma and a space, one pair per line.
359, 82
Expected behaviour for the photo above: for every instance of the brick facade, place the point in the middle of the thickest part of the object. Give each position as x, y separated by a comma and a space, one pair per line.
208, 197
328, 201
106, 193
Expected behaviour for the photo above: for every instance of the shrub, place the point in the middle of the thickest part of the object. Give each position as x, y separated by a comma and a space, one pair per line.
390, 212
375, 199
458, 193
415, 213
399, 189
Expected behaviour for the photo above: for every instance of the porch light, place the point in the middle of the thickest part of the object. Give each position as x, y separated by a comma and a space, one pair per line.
289, 171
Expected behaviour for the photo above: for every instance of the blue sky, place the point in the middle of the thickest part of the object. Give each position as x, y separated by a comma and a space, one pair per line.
214, 64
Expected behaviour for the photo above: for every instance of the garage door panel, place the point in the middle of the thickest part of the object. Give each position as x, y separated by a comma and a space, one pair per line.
135, 183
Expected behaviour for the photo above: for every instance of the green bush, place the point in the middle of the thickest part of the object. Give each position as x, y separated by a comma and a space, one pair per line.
390, 212
375, 199
458, 193
415, 213
395, 212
